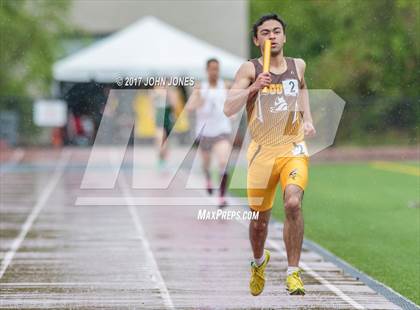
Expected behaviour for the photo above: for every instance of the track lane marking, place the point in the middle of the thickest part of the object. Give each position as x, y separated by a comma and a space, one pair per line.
149, 253
41, 201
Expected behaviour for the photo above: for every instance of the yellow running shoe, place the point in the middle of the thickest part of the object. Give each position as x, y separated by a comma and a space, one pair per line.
294, 284
256, 284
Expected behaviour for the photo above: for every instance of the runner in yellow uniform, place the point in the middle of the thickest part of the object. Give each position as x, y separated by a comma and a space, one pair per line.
278, 119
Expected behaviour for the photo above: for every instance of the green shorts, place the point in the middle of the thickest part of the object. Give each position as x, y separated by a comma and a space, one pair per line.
163, 119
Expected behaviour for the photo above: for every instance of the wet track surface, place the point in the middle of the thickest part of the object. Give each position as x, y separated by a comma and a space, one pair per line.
59, 253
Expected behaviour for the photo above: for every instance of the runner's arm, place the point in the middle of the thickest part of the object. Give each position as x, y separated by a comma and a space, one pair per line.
195, 100
243, 87
304, 99
228, 85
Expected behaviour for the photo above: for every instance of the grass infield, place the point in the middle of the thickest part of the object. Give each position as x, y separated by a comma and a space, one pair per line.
366, 215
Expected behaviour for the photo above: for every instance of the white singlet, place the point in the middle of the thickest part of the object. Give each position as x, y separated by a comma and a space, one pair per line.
211, 112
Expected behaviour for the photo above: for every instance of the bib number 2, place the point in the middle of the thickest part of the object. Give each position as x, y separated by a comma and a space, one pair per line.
290, 87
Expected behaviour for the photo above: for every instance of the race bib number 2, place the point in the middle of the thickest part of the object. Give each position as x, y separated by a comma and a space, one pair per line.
290, 87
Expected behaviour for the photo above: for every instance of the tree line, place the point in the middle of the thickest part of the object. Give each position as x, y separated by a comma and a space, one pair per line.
367, 52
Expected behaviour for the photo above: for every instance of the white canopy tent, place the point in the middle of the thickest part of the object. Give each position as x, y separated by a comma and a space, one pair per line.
149, 47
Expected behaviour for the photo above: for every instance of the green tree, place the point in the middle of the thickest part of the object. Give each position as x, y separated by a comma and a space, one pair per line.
366, 51
30, 32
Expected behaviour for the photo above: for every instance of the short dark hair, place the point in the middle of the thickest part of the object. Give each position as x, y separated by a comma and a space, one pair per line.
211, 60
266, 17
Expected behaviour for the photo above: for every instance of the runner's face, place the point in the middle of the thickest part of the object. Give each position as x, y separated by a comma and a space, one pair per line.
271, 30
213, 71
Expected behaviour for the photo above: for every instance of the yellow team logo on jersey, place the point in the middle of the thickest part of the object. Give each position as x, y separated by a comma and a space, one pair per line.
273, 89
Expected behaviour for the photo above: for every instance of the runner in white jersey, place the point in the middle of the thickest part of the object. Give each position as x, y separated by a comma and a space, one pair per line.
212, 126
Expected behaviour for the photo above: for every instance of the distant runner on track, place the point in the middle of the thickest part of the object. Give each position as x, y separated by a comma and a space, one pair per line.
212, 126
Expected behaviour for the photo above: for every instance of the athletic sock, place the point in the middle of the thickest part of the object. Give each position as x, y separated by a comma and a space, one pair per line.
291, 269
223, 184
259, 261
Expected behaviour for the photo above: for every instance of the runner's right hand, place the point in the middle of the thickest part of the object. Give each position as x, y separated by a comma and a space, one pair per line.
263, 80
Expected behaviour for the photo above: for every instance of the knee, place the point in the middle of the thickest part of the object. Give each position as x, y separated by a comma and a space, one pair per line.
292, 207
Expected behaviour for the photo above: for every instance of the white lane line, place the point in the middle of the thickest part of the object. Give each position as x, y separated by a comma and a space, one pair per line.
16, 157
331, 287
309, 270
149, 253
43, 198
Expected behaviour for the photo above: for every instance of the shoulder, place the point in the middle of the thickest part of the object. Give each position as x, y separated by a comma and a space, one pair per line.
300, 64
247, 69
248, 66
300, 68
202, 84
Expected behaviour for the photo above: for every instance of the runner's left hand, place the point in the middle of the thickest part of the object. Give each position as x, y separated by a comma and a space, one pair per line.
309, 129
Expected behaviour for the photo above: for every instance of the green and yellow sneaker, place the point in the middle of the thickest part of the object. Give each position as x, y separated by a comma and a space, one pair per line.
294, 284
256, 284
